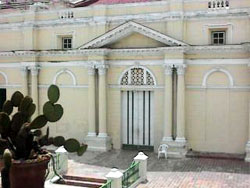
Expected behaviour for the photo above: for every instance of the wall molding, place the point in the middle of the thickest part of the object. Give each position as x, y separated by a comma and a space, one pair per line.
137, 51
118, 19
217, 69
65, 71
200, 87
5, 77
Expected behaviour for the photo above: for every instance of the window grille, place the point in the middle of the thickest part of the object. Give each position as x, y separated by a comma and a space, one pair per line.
138, 77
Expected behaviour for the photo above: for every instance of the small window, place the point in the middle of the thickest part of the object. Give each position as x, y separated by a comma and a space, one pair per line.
66, 43
218, 37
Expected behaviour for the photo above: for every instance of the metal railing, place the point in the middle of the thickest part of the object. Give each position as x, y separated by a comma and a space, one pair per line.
107, 185
131, 175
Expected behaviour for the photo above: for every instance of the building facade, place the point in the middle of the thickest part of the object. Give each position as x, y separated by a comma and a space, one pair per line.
135, 74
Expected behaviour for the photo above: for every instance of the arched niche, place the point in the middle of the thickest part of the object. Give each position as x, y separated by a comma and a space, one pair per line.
220, 73
67, 73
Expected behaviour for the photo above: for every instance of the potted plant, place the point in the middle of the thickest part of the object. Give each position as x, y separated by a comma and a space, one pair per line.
25, 162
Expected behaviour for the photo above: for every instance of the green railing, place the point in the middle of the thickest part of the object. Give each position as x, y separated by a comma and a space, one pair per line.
107, 185
131, 175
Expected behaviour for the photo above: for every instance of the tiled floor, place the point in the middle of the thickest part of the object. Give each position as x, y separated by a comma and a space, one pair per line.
171, 173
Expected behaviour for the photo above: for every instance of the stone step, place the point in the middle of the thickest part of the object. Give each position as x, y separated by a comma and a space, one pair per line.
84, 182
87, 179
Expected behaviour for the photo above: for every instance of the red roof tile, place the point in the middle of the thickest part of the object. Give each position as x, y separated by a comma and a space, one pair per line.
110, 2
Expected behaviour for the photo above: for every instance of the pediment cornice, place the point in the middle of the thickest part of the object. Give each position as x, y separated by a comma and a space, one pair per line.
126, 29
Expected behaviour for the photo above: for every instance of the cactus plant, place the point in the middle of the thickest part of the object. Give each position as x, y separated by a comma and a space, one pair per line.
20, 135
82, 149
72, 145
17, 98
16, 133
59, 141
8, 107
7, 160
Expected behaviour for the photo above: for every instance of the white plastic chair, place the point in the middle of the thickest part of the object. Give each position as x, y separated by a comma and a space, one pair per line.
163, 149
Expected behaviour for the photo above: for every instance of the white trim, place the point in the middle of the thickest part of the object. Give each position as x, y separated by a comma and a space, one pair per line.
217, 61
217, 69
131, 51
228, 27
137, 66
65, 71
200, 87
126, 29
118, 19
64, 86
5, 77
11, 86
139, 88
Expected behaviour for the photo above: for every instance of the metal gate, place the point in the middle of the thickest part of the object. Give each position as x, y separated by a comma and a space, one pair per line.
137, 127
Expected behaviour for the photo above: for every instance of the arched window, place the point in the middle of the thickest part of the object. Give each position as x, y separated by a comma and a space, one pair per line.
137, 76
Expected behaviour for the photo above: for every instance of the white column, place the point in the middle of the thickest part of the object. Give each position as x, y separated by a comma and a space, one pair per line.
142, 159
24, 72
167, 134
91, 102
180, 104
116, 177
34, 88
247, 158
102, 101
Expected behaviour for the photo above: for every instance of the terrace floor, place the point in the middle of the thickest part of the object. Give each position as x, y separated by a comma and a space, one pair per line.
171, 173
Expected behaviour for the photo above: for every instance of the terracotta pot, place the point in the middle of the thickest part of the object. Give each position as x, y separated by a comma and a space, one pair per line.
29, 174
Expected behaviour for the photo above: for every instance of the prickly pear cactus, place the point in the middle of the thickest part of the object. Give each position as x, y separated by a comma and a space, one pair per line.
53, 93
16, 98
8, 107
72, 145
7, 160
82, 149
59, 141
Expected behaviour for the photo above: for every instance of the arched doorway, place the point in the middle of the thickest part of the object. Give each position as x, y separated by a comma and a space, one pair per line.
137, 108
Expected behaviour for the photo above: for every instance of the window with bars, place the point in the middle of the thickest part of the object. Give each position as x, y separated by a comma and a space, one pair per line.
218, 37
66, 43
138, 77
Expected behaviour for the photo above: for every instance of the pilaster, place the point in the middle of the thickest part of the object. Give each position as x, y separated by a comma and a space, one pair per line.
34, 87
247, 158
101, 142
91, 102
167, 126
24, 72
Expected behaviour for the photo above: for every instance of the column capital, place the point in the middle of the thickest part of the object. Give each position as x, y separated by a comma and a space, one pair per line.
24, 70
168, 69
102, 69
34, 70
91, 71
180, 69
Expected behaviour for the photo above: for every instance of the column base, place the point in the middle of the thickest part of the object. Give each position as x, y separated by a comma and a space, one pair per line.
90, 134
247, 158
98, 143
177, 148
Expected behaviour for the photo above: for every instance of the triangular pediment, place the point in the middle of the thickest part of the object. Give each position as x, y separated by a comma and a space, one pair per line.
127, 29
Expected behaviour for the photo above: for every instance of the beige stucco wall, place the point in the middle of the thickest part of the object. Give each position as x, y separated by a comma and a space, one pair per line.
217, 119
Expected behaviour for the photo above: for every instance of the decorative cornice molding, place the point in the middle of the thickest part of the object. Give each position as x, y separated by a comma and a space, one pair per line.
131, 51
118, 19
125, 30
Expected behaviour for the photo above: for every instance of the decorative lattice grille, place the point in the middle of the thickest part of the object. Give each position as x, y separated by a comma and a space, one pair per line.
137, 77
